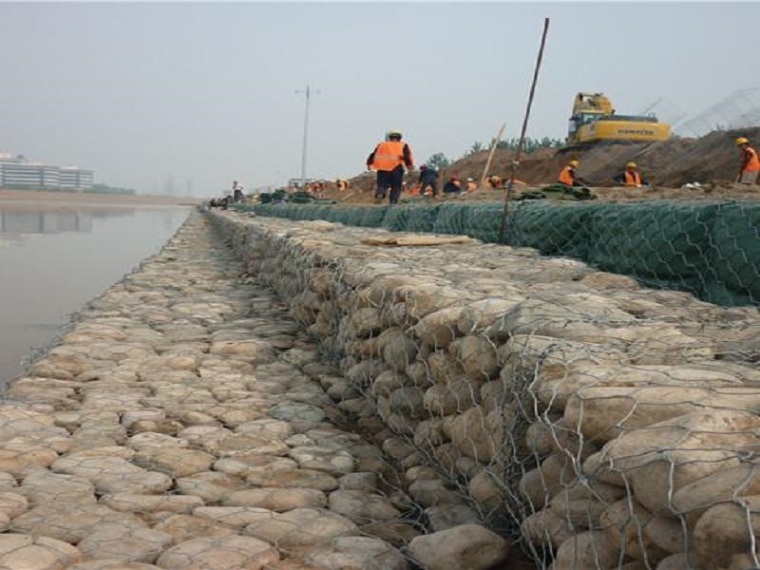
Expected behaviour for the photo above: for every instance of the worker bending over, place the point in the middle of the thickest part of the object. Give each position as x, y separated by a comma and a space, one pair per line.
568, 177
631, 177
389, 159
750, 164
428, 181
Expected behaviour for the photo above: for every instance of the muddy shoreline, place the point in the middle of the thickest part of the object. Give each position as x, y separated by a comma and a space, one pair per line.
19, 199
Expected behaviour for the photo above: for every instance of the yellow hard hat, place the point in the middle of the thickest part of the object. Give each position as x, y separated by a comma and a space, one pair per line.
631, 165
574, 163
742, 140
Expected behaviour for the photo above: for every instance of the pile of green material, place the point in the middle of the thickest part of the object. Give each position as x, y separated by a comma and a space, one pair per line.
558, 192
301, 198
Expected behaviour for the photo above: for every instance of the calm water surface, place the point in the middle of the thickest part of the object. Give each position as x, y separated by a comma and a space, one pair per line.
53, 261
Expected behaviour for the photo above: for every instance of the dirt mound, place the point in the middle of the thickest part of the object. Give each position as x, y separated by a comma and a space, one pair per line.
673, 163
712, 160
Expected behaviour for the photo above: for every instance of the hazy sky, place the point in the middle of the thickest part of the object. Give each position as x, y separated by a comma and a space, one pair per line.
205, 92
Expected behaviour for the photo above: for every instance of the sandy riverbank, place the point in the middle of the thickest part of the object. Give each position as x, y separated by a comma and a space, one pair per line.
77, 200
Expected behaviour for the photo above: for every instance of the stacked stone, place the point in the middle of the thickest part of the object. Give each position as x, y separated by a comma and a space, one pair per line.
178, 424
613, 425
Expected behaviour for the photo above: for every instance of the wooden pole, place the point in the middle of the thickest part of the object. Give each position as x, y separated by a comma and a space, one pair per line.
490, 155
516, 161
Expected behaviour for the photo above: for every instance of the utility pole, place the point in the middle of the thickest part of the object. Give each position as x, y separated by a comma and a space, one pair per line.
308, 93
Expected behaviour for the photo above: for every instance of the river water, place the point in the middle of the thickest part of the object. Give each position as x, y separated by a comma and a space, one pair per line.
54, 260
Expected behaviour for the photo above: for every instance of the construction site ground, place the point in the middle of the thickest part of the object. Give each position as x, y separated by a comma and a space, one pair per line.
680, 169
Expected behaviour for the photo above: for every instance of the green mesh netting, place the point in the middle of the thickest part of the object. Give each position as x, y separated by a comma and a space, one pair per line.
482, 221
450, 218
711, 250
552, 229
372, 217
421, 219
353, 216
660, 243
395, 218
331, 214
291, 211
337, 215
734, 258
265, 210
307, 212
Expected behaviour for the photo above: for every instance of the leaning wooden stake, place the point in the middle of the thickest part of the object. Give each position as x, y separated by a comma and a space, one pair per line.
516, 161
490, 156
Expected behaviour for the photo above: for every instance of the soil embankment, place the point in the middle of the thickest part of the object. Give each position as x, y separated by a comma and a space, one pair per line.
712, 161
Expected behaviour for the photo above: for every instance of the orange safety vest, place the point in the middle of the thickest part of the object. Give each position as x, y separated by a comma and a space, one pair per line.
632, 178
753, 165
567, 176
389, 155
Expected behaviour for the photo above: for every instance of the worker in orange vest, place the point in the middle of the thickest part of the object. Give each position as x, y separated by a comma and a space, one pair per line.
495, 182
631, 177
750, 164
568, 177
389, 159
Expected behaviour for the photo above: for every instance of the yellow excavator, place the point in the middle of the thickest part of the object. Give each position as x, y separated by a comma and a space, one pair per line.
594, 120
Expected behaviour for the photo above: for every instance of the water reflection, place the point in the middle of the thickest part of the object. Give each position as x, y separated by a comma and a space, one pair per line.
56, 260
13, 223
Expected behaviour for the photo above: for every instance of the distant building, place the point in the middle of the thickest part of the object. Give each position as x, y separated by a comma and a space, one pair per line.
17, 172
73, 178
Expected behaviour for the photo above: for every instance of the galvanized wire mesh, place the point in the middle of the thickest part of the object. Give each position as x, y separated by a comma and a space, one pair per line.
594, 421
